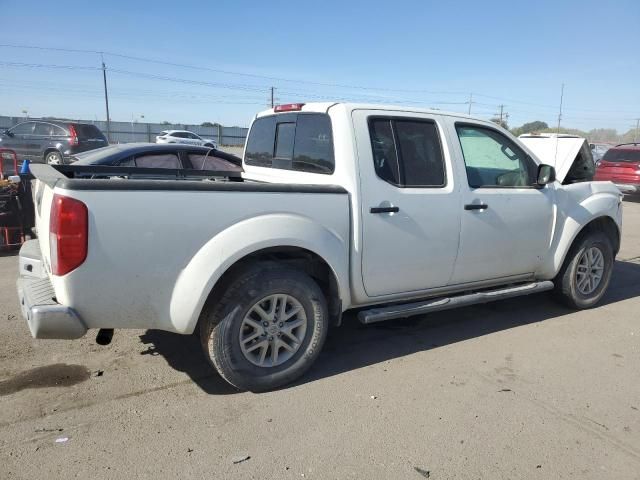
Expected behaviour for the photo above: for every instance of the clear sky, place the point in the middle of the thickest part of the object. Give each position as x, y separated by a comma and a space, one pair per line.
422, 53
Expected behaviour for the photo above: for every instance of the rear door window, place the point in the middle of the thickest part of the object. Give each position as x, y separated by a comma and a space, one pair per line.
158, 160
201, 161
407, 153
301, 142
43, 129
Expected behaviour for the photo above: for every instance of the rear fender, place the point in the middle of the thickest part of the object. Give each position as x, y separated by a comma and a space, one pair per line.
198, 278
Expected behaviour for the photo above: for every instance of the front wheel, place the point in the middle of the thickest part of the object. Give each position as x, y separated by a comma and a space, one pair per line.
267, 328
586, 272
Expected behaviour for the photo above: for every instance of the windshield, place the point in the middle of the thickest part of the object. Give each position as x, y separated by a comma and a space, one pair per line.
621, 155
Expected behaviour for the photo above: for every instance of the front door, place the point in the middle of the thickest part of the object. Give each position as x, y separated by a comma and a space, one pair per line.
410, 207
20, 140
507, 220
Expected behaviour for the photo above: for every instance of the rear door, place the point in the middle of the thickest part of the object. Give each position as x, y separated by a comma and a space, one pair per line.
409, 200
506, 220
42, 137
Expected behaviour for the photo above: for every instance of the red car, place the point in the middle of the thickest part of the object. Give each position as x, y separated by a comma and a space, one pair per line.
621, 165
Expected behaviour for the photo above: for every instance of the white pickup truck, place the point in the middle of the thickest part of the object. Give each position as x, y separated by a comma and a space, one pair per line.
391, 210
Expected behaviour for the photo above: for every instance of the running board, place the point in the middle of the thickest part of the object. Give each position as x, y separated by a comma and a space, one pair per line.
418, 308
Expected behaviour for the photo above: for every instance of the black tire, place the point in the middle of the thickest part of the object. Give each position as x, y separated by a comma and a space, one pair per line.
566, 282
54, 157
222, 319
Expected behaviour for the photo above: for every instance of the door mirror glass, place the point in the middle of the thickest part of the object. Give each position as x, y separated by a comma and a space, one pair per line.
546, 175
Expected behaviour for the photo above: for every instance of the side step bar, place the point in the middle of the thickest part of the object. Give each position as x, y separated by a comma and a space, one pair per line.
418, 308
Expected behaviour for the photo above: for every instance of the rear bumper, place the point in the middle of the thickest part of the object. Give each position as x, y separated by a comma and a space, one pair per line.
44, 315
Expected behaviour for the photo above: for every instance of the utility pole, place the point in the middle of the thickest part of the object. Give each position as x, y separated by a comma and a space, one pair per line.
501, 113
635, 136
470, 102
272, 89
560, 111
106, 97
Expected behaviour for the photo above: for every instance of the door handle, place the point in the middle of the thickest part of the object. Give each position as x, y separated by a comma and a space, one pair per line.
476, 206
384, 210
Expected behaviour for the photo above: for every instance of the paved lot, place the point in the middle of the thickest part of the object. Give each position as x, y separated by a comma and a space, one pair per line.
518, 389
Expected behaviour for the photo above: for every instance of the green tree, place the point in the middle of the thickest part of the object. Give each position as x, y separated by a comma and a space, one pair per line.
502, 123
530, 127
207, 124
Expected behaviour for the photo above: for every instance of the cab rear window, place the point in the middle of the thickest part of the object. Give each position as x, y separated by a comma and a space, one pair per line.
294, 141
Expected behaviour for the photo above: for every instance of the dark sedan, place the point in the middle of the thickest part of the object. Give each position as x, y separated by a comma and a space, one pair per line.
152, 155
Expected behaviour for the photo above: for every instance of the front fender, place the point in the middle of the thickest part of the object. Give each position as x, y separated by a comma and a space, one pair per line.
578, 205
198, 278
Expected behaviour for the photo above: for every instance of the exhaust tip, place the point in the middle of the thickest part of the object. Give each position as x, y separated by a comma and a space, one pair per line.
104, 337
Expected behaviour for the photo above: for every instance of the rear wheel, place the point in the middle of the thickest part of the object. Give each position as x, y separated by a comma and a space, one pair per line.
586, 273
53, 158
267, 328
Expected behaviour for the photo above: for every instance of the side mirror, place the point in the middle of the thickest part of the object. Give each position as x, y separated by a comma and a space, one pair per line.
592, 146
8, 133
546, 175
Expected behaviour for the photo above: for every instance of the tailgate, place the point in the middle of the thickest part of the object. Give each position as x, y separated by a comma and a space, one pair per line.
42, 199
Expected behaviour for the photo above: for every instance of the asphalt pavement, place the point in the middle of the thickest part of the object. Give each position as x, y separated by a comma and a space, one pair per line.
519, 389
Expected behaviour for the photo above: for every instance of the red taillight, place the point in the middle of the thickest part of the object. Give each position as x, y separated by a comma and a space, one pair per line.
74, 136
68, 234
288, 107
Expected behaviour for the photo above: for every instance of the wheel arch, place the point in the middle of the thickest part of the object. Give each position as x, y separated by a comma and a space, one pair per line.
48, 150
302, 243
603, 223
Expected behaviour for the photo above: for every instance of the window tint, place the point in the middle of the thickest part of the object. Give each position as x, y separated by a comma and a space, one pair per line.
621, 155
313, 150
44, 129
201, 161
493, 160
407, 153
285, 134
23, 128
301, 142
177, 135
58, 131
162, 160
85, 130
385, 159
259, 151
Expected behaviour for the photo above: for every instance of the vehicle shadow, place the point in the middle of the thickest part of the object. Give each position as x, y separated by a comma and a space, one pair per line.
354, 346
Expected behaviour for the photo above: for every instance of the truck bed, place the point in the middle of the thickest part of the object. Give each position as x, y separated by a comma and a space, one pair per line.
154, 237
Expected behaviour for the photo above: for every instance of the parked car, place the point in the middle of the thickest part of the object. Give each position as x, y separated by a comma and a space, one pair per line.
51, 141
392, 211
598, 150
152, 155
621, 165
569, 154
183, 136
